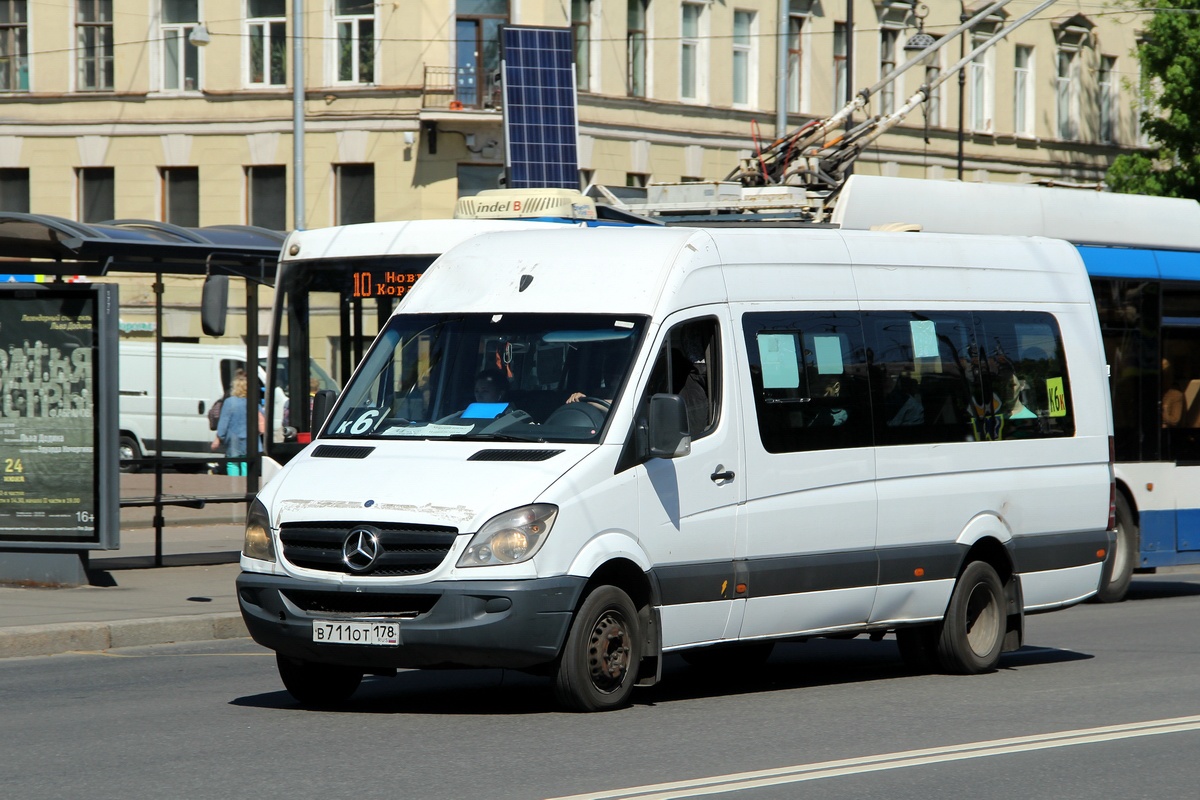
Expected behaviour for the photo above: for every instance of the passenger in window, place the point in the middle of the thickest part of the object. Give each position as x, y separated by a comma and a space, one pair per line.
829, 414
1173, 400
1015, 387
904, 403
491, 386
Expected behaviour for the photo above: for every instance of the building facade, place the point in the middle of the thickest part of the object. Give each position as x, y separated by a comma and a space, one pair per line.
184, 110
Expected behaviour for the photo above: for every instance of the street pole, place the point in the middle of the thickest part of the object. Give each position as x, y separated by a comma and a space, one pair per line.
298, 114
962, 85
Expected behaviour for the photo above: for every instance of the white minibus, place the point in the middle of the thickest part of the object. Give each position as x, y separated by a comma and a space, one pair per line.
574, 451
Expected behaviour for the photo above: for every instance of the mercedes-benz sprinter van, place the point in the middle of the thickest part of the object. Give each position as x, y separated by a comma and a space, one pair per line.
573, 452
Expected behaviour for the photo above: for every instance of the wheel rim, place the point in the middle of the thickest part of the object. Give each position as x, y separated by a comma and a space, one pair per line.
1121, 554
609, 649
125, 452
983, 620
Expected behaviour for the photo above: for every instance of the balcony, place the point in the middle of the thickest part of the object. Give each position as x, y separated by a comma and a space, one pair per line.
460, 89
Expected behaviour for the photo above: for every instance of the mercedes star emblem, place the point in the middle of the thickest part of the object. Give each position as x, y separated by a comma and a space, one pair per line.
360, 549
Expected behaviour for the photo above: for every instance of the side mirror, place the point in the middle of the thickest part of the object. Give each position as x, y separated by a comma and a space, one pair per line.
322, 403
214, 305
667, 432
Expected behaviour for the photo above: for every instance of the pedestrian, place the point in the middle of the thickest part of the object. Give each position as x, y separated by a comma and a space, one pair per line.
231, 428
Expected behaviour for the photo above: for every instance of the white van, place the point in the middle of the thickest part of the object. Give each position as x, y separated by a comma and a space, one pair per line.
571, 452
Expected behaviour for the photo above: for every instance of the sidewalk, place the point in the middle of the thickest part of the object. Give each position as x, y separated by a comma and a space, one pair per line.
132, 602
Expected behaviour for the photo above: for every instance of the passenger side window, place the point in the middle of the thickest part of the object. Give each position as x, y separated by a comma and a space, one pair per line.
810, 380
925, 377
1026, 375
689, 365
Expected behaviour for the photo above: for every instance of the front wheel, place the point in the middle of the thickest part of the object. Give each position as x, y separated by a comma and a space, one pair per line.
973, 631
1119, 571
314, 684
599, 662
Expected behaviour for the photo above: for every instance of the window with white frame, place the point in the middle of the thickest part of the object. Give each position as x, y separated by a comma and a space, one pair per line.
795, 62
1023, 91
180, 58
693, 78
933, 103
581, 33
1066, 94
266, 42
841, 80
354, 29
14, 46
744, 73
888, 39
94, 45
1108, 99
635, 46
981, 88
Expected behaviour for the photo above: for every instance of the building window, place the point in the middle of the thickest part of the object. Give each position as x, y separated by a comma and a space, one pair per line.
581, 32
474, 178
744, 87
1108, 99
841, 81
980, 77
94, 45
96, 194
1066, 94
180, 58
181, 196
14, 46
795, 56
266, 42
355, 193
888, 37
1023, 91
691, 52
933, 105
635, 47
266, 187
14, 190
477, 51
354, 21
639, 180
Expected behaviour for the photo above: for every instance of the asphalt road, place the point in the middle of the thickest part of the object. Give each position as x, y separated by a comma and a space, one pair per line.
1104, 701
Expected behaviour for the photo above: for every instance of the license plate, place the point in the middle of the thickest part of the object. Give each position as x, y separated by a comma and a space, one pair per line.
384, 633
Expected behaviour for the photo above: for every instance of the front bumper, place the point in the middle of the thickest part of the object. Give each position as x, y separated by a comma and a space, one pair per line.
510, 624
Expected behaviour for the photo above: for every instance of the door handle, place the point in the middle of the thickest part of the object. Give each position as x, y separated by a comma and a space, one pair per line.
722, 475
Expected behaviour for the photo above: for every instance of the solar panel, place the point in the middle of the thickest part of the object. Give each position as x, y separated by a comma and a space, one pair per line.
539, 108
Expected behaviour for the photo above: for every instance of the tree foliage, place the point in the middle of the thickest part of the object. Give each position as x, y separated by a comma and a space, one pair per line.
1170, 59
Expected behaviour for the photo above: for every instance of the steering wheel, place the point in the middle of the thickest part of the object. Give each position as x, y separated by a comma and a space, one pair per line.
606, 405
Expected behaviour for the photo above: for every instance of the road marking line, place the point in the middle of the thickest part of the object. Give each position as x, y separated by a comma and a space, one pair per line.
742, 781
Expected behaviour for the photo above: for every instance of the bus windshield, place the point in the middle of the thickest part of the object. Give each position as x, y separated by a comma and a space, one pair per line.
527, 377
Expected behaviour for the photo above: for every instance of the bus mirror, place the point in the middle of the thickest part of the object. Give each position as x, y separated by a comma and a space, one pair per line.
214, 305
668, 429
321, 405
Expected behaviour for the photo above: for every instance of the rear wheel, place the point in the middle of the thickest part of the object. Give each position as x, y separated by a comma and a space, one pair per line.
599, 663
314, 684
128, 451
973, 630
1119, 571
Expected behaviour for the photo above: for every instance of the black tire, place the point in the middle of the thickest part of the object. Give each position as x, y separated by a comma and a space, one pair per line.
314, 684
599, 663
738, 657
973, 631
127, 449
1118, 572
918, 647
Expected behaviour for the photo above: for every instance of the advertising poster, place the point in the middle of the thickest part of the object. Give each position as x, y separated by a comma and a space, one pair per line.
50, 427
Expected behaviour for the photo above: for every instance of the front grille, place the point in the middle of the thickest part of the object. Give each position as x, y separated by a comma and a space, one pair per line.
361, 604
405, 549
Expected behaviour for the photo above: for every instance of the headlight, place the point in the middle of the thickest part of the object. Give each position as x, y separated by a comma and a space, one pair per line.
510, 537
258, 534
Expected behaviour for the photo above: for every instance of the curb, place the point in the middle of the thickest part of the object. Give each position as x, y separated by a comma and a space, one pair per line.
68, 637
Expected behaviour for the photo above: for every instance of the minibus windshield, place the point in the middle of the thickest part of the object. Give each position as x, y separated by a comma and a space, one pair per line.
504, 377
